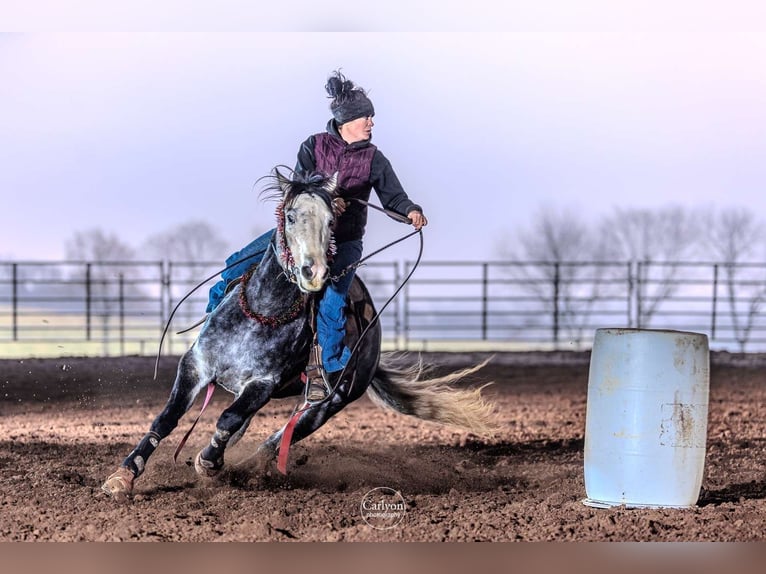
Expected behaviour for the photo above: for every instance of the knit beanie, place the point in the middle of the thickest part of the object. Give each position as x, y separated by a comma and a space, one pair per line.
349, 102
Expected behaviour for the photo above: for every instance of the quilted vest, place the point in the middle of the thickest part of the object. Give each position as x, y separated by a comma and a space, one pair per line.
353, 164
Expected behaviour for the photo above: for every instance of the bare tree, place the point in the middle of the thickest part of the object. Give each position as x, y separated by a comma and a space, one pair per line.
103, 256
192, 251
564, 268
97, 246
190, 242
656, 241
735, 237
664, 234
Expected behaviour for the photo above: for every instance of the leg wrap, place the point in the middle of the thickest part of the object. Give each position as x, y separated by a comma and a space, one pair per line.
214, 451
136, 460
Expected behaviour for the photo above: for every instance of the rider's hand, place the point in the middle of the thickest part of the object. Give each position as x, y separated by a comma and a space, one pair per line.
339, 206
418, 219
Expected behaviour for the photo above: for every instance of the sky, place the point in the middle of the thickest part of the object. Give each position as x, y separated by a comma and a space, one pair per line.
135, 126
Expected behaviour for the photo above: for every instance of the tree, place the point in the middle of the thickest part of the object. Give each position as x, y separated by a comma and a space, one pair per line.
102, 277
656, 242
553, 235
564, 269
734, 237
191, 242
664, 234
189, 249
97, 246
192, 251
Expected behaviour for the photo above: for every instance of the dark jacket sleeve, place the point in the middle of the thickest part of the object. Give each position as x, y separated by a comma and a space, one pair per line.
390, 191
306, 159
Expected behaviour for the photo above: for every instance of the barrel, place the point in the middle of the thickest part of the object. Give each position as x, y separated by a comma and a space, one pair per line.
646, 418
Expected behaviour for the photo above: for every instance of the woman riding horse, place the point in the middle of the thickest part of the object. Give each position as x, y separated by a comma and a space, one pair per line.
256, 343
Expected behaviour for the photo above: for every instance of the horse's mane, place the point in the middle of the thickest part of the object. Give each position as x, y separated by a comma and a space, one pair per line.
310, 182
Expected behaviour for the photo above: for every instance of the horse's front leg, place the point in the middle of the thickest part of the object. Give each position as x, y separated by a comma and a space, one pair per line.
230, 425
185, 390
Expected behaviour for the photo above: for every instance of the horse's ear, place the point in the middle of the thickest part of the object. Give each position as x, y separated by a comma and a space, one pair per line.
284, 183
331, 184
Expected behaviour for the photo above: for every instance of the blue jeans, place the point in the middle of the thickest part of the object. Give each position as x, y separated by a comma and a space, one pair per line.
256, 248
331, 317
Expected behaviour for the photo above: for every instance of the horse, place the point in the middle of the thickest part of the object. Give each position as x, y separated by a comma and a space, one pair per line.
257, 343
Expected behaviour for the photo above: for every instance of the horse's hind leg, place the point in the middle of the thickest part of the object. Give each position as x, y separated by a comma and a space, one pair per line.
185, 389
230, 426
311, 419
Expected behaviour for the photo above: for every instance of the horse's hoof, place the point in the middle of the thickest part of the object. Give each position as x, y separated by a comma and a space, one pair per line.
206, 468
119, 485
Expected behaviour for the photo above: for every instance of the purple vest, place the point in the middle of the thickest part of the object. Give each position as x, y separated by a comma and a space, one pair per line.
352, 164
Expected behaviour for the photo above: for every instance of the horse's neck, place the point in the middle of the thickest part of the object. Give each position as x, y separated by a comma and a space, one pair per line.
270, 278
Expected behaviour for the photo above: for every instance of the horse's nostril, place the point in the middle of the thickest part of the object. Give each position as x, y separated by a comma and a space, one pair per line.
307, 271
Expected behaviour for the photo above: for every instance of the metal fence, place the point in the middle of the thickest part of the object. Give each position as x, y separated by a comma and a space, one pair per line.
117, 308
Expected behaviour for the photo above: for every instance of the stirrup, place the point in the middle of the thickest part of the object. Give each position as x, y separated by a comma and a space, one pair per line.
317, 386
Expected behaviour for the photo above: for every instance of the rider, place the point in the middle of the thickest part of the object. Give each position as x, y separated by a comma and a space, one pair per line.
344, 147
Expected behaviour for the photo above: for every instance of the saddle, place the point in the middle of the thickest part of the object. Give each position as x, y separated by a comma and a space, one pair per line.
360, 312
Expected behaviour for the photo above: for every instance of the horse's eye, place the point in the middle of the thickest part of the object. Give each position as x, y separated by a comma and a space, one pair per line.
290, 218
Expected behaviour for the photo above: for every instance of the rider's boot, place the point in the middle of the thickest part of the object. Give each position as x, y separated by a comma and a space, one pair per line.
317, 391
318, 386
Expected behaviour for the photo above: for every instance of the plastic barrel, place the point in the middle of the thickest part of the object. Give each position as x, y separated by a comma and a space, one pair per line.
646, 418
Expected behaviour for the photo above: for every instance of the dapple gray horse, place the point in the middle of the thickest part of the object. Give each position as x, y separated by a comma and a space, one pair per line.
257, 342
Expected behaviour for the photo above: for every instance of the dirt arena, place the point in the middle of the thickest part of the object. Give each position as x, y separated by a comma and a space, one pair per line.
67, 423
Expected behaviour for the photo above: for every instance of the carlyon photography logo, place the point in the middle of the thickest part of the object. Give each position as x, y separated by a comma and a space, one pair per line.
383, 508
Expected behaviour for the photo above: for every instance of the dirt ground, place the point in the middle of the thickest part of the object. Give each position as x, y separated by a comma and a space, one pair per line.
67, 423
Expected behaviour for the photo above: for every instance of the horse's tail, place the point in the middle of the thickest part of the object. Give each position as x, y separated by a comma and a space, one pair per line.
403, 388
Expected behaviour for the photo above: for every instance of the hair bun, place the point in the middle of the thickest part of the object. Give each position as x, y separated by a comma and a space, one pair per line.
349, 101
338, 87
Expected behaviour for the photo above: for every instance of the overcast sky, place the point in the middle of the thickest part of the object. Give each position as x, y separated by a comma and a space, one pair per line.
136, 132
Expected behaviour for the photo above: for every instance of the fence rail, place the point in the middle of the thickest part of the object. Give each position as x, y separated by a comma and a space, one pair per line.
80, 307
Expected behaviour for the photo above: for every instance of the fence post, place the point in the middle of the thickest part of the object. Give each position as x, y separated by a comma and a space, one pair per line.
484, 299
397, 308
639, 271
631, 286
87, 301
406, 313
556, 287
715, 301
169, 309
15, 300
122, 313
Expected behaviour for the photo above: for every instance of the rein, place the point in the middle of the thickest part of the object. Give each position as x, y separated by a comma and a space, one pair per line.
393, 215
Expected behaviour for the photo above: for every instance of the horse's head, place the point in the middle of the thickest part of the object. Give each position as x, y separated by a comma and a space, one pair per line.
304, 228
